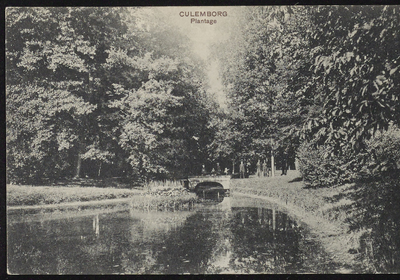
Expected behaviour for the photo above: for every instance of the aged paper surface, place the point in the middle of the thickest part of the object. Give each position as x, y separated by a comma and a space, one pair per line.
202, 140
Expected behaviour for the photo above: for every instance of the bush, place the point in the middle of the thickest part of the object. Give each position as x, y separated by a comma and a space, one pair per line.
384, 151
321, 167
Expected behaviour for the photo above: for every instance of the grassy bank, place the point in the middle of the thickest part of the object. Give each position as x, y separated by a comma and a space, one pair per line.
41, 195
155, 194
324, 209
328, 203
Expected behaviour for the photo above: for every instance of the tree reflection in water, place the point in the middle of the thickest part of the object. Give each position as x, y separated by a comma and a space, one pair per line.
213, 238
263, 241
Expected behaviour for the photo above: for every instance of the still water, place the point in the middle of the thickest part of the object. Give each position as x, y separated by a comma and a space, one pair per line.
238, 235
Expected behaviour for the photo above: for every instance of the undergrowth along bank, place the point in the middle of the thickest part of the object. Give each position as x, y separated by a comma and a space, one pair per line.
160, 192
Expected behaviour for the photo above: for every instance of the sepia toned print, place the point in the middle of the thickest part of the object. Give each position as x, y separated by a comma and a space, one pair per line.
203, 140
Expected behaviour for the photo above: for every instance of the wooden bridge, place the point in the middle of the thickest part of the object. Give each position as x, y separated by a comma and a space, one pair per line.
206, 186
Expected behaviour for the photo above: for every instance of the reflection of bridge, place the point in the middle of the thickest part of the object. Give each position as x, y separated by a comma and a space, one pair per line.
203, 185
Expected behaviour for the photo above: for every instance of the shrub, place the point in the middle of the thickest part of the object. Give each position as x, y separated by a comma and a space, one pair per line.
384, 151
321, 167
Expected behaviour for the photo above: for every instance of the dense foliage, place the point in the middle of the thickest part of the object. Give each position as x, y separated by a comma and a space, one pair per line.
91, 92
259, 73
356, 65
356, 68
321, 75
119, 90
377, 208
321, 168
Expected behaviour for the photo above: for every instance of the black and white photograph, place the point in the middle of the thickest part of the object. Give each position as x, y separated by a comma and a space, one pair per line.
174, 140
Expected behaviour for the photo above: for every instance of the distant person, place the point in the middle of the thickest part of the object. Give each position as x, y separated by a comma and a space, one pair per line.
203, 170
241, 169
247, 170
284, 165
265, 169
258, 168
226, 171
213, 172
283, 168
218, 169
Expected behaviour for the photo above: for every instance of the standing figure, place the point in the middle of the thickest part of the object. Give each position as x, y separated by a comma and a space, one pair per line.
284, 163
258, 168
203, 170
264, 167
213, 172
241, 169
218, 169
226, 171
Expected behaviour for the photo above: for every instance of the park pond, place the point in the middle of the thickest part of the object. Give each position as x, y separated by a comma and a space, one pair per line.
237, 235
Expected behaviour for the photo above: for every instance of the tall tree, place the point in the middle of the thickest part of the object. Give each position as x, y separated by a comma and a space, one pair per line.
50, 65
263, 73
165, 119
96, 85
356, 63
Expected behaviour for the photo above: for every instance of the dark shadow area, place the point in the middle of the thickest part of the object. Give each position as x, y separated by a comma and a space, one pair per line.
315, 187
297, 179
373, 215
344, 194
212, 196
377, 208
207, 185
237, 175
210, 191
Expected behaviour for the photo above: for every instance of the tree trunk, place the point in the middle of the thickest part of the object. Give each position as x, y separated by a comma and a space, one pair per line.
98, 174
78, 166
272, 165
